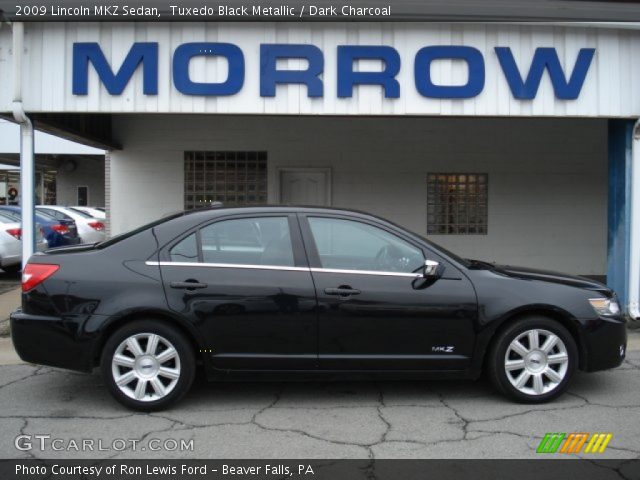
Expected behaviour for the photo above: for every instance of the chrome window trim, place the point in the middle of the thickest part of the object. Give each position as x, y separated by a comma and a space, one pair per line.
366, 272
278, 267
227, 265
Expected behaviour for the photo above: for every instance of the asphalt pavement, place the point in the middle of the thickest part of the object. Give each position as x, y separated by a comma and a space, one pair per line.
453, 419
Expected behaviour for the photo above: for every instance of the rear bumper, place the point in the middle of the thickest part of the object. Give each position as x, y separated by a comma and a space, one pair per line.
10, 260
92, 236
605, 343
71, 241
15, 255
50, 341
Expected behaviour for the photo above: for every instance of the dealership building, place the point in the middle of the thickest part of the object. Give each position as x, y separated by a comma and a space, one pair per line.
511, 143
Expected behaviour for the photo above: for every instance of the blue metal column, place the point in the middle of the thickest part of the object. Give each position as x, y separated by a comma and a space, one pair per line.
619, 211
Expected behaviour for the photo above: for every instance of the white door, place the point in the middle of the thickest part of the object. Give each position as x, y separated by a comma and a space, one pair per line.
305, 187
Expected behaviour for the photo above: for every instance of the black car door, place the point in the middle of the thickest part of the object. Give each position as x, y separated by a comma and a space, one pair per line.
245, 283
376, 311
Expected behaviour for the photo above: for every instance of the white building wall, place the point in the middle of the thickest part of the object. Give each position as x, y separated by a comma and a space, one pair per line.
90, 173
547, 178
146, 183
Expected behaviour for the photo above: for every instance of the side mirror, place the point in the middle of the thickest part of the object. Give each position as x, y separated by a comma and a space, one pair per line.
432, 269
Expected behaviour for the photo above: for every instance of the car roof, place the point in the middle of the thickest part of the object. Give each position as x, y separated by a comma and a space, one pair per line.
229, 210
176, 222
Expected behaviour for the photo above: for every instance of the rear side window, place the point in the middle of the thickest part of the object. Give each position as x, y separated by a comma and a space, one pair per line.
131, 233
55, 214
241, 241
186, 250
248, 241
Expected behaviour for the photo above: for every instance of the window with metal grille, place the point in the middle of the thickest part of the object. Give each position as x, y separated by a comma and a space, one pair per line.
457, 203
233, 178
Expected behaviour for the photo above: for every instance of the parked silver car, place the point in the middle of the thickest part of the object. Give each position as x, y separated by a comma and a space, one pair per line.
90, 229
95, 212
11, 243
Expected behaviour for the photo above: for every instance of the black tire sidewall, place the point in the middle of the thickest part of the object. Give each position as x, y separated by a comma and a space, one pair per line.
173, 335
497, 372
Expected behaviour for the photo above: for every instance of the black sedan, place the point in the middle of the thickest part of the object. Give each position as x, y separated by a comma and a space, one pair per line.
295, 291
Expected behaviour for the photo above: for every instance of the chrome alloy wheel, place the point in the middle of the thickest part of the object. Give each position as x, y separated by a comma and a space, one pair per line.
536, 362
146, 367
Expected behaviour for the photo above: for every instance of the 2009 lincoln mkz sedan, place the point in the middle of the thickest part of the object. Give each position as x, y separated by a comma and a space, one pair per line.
295, 290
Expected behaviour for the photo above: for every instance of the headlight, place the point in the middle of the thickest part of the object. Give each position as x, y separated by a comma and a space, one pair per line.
605, 306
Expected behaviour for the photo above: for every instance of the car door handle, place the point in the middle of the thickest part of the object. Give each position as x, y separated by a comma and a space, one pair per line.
189, 285
342, 291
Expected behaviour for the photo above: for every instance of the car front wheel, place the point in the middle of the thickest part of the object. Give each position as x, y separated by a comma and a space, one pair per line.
533, 360
148, 365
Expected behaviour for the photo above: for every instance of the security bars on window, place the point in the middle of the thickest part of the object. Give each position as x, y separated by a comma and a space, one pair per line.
457, 203
233, 178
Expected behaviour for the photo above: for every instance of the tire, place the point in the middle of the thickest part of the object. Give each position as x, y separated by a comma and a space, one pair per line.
157, 377
531, 375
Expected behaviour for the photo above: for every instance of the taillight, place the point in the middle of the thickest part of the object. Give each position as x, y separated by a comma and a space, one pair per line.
61, 229
15, 232
36, 273
99, 226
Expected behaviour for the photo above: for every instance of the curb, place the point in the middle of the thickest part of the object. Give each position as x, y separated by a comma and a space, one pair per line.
4, 328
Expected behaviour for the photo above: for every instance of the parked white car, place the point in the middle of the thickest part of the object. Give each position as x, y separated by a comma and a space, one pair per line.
11, 243
94, 212
90, 229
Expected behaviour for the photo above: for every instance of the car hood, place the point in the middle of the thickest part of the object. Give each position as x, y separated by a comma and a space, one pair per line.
552, 277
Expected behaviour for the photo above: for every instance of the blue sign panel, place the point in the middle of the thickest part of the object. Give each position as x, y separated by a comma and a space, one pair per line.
523, 85
470, 55
185, 52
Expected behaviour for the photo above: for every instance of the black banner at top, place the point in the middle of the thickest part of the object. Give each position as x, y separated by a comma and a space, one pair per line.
320, 10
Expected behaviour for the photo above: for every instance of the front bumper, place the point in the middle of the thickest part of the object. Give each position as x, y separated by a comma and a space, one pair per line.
604, 343
52, 341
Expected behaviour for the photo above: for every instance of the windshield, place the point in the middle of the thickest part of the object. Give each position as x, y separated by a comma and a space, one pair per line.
448, 253
46, 215
11, 214
4, 218
462, 261
82, 213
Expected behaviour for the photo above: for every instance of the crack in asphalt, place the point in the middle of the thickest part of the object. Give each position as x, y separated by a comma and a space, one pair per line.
36, 372
596, 404
25, 424
466, 429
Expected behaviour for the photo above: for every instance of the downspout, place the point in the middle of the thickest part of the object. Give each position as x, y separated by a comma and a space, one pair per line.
27, 167
633, 308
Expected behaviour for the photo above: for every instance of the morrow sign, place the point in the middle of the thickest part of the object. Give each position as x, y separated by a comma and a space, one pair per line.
524, 85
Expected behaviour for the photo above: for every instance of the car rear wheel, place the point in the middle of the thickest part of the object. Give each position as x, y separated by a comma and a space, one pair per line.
148, 365
533, 360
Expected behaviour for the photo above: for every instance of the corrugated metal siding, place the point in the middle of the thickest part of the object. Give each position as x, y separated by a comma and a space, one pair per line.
610, 90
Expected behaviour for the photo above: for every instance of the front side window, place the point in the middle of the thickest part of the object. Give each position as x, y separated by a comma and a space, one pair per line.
248, 241
351, 245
